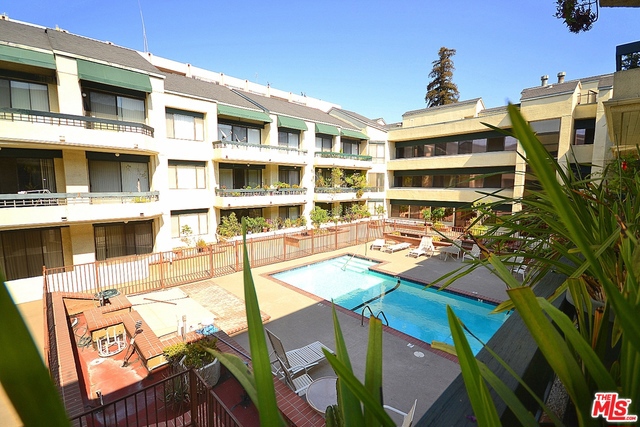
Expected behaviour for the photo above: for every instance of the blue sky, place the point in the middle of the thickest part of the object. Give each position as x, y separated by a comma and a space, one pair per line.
372, 57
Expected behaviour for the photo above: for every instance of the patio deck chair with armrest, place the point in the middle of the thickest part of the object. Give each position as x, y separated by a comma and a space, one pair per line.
407, 419
294, 360
454, 250
425, 248
299, 380
473, 254
397, 247
378, 244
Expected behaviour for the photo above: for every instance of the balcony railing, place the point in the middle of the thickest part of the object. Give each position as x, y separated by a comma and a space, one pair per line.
58, 119
589, 97
326, 190
332, 155
224, 192
54, 199
257, 147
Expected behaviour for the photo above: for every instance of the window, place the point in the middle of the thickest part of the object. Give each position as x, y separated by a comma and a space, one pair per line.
465, 147
240, 176
510, 143
184, 125
289, 175
377, 151
479, 145
289, 138
585, 132
495, 144
376, 180
187, 175
24, 252
548, 132
24, 95
120, 239
324, 142
115, 107
196, 219
350, 146
290, 212
26, 174
238, 133
440, 148
372, 205
112, 176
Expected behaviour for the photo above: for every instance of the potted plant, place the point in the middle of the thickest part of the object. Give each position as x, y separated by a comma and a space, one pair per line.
201, 245
183, 356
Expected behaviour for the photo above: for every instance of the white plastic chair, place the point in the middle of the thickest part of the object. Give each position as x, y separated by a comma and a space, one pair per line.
378, 244
473, 254
298, 381
425, 247
297, 359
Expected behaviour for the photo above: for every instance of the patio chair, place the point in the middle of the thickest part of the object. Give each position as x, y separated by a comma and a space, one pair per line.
378, 244
473, 254
454, 250
397, 247
299, 381
407, 416
298, 359
425, 248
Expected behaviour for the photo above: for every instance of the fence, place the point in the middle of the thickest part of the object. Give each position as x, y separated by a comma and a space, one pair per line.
146, 273
183, 399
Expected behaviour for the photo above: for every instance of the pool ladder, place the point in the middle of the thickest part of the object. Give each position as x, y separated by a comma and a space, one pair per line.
377, 316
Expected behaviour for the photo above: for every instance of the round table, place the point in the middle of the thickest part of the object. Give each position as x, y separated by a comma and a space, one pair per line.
322, 393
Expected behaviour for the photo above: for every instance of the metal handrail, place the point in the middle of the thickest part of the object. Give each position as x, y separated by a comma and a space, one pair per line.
53, 199
343, 189
59, 119
367, 308
334, 155
244, 192
259, 147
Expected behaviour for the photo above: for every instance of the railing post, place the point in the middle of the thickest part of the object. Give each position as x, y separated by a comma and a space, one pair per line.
336, 236
235, 245
313, 242
284, 246
96, 266
193, 393
161, 271
211, 266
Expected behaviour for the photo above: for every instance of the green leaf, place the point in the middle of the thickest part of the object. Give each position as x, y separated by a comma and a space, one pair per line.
267, 403
24, 376
373, 369
238, 369
483, 407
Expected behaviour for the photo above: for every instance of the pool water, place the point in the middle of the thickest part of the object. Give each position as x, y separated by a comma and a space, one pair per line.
409, 307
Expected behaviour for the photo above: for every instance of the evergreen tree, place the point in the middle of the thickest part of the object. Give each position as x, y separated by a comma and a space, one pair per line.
441, 90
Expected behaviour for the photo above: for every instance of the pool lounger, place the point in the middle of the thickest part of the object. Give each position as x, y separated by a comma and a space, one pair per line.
396, 247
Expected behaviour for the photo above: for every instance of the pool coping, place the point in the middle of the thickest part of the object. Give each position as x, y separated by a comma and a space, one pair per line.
377, 268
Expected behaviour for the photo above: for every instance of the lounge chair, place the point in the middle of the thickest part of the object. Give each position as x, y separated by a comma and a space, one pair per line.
452, 251
407, 419
397, 247
425, 247
378, 244
301, 358
473, 254
297, 381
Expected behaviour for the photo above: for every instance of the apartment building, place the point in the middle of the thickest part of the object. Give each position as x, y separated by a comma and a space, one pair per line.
107, 152
448, 157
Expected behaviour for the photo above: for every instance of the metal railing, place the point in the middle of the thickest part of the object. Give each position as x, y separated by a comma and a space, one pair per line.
257, 147
59, 119
325, 190
589, 97
333, 155
244, 192
54, 199
181, 399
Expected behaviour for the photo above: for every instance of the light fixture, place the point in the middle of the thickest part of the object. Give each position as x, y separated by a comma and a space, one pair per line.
117, 154
141, 213
64, 219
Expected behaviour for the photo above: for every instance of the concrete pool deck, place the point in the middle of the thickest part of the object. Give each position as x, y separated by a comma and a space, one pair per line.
411, 370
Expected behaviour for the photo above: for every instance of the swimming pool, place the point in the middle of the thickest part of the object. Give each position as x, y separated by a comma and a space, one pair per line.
408, 307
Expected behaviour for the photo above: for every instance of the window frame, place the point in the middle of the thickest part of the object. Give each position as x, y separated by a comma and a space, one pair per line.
198, 124
199, 168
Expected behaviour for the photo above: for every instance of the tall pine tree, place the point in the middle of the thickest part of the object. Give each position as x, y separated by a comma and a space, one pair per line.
441, 90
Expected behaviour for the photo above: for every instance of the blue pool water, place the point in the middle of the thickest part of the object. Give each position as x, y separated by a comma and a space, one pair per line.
410, 308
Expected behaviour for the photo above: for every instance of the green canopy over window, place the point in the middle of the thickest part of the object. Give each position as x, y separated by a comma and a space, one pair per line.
227, 110
113, 76
27, 57
327, 129
353, 134
291, 123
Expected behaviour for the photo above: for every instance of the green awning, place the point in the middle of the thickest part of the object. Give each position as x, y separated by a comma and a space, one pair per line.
327, 129
113, 76
291, 123
27, 57
260, 116
353, 134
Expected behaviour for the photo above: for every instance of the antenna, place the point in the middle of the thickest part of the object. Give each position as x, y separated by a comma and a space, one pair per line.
144, 32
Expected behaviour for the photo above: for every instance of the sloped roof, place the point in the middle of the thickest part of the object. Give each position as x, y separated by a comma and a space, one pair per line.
203, 89
278, 106
61, 41
441, 107
358, 117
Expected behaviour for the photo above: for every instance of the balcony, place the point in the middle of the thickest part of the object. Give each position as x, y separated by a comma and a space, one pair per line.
342, 160
68, 129
342, 194
42, 208
463, 195
241, 198
258, 153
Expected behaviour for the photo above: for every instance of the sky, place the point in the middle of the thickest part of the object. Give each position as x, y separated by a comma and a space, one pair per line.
372, 57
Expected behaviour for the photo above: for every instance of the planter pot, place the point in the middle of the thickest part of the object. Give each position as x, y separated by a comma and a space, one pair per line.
210, 373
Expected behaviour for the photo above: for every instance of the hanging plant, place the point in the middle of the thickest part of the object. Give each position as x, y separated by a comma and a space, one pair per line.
577, 15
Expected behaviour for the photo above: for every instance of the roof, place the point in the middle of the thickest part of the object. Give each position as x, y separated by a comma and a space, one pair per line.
360, 118
59, 41
280, 106
203, 89
605, 80
441, 107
